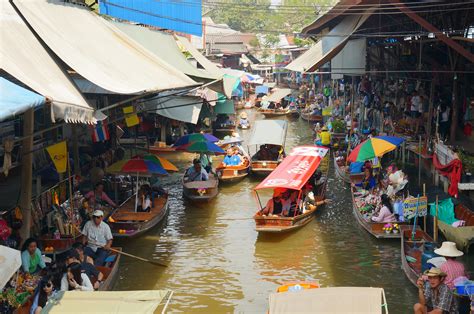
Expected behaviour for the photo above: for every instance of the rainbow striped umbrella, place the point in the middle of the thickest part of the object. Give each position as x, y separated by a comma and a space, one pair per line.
376, 146
148, 164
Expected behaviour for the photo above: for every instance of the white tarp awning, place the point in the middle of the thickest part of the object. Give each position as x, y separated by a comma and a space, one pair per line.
23, 56
97, 50
329, 45
268, 132
328, 300
278, 94
181, 108
351, 60
202, 60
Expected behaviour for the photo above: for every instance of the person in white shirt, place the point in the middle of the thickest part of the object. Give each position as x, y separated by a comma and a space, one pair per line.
416, 109
97, 238
75, 279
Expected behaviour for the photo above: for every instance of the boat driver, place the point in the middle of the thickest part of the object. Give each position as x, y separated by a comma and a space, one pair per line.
196, 172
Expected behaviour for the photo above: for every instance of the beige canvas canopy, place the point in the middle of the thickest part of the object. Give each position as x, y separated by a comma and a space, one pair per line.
278, 94
109, 302
356, 300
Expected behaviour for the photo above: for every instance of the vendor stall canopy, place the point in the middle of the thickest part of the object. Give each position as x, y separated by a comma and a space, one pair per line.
97, 50
269, 132
278, 94
15, 99
38, 70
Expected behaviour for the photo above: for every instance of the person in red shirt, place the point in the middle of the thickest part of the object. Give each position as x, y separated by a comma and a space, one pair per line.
451, 267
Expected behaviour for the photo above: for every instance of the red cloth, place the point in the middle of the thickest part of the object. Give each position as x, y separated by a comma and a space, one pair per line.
452, 171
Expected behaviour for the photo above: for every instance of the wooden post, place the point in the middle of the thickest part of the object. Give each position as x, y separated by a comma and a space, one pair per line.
430, 113
26, 173
75, 151
403, 153
435, 222
454, 118
419, 160
424, 217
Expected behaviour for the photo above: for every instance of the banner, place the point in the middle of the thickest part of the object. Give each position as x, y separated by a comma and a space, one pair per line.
100, 132
58, 154
131, 118
409, 207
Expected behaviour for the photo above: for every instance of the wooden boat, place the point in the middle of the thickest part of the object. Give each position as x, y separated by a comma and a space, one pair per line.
297, 285
110, 272
243, 127
311, 155
126, 223
227, 130
59, 245
201, 191
230, 174
161, 149
462, 236
342, 171
267, 132
412, 268
272, 113
307, 116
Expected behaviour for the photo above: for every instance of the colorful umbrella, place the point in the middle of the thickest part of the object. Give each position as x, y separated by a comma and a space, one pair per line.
374, 147
195, 137
150, 164
201, 147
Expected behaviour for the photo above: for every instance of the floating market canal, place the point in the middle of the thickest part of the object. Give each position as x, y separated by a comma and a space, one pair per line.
218, 263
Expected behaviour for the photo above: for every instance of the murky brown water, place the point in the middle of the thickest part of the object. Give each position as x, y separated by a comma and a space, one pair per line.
219, 264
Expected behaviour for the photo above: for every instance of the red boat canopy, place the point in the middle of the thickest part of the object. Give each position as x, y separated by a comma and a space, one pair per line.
296, 169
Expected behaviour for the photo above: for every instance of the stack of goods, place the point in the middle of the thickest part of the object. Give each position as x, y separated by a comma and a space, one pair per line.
17, 292
367, 202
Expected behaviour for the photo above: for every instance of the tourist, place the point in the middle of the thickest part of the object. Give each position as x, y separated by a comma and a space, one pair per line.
31, 259
290, 206
228, 158
263, 153
144, 198
75, 279
433, 295
43, 292
196, 172
275, 204
385, 214
98, 196
236, 159
98, 237
368, 182
87, 264
451, 267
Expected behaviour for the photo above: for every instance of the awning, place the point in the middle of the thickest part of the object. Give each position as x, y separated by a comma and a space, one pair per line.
263, 89
108, 302
202, 60
224, 105
351, 60
11, 261
15, 99
97, 50
296, 169
278, 94
328, 300
268, 132
181, 108
329, 45
165, 47
23, 56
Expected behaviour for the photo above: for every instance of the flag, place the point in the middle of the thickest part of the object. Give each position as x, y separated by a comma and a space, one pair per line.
58, 154
131, 118
100, 132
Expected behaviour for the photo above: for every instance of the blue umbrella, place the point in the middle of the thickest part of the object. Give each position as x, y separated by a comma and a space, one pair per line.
195, 137
201, 147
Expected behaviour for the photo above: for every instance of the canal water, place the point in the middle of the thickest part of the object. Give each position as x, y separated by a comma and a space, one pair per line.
218, 263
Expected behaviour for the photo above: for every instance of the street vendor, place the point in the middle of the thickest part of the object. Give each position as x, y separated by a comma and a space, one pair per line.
325, 137
98, 237
434, 295
98, 196
196, 172
385, 214
451, 267
244, 122
31, 259
368, 182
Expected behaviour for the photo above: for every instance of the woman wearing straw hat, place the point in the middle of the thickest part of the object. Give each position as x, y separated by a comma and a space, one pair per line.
433, 295
243, 122
451, 267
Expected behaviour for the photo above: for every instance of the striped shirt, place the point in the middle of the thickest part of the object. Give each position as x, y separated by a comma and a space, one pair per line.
443, 300
453, 269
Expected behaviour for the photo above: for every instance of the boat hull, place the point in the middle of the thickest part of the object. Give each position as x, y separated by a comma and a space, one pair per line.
211, 187
310, 117
232, 173
112, 273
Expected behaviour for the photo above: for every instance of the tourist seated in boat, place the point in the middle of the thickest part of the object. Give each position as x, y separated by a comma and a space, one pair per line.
385, 213
87, 264
144, 199
31, 259
244, 122
291, 207
237, 158
275, 151
75, 280
43, 292
325, 137
434, 296
228, 157
271, 105
453, 268
206, 162
275, 205
196, 172
368, 182
264, 153
97, 238
98, 196
89, 269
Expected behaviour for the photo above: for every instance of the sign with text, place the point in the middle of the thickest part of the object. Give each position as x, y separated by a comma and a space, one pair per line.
410, 207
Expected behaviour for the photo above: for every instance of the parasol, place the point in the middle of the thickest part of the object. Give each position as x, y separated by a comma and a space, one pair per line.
374, 147
195, 137
201, 147
10, 261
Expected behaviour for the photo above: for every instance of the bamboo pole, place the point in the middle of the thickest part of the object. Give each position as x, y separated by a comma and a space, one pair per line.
424, 217
435, 222
26, 173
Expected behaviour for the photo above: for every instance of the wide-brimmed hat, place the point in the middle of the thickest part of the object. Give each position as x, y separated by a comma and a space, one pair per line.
243, 115
435, 272
449, 249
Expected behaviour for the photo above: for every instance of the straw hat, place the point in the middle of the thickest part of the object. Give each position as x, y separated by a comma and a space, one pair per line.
243, 115
325, 128
435, 272
448, 249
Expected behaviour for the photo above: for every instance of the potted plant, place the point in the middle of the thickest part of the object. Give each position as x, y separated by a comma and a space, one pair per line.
396, 228
387, 228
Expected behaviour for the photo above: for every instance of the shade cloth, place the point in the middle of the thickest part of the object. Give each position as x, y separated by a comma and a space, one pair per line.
296, 169
23, 56
10, 261
268, 132
107, 302
452, 170
328, 300
181, 108
351, 60
165, 47
202, 60
261, 89
97, 50
15, 99
224, 105
330, 45
278, 94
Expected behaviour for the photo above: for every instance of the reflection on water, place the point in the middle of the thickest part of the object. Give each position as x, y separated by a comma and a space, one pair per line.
219, 264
